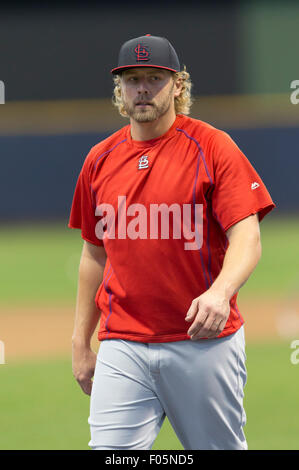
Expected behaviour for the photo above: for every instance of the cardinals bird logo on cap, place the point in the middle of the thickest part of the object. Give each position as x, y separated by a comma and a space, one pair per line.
142, 52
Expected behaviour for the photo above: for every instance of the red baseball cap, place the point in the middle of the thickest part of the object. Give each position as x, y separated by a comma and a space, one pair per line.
147, 51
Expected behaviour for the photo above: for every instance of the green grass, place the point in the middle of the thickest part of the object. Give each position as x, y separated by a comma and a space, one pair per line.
277, 271
271, 398
40, 262
42, 407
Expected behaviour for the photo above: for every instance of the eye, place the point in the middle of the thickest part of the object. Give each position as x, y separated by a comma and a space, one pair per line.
130, 78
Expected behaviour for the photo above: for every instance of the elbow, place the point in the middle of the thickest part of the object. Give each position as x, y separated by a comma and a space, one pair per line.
258, 250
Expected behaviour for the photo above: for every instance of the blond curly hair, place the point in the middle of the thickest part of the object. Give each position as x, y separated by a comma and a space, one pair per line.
182, 103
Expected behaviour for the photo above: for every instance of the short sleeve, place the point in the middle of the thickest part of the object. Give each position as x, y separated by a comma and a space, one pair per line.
82, 214
238, 189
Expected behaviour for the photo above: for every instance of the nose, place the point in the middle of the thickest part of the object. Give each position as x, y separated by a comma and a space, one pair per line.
141, 87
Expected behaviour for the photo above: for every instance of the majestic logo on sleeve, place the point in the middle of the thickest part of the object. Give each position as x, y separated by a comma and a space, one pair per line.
254, 185
143, 162
142, 53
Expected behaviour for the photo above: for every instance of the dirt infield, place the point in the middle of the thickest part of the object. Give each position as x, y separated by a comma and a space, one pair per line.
40, 333
36, 333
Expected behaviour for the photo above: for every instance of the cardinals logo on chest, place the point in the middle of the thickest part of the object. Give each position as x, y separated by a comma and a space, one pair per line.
143, 162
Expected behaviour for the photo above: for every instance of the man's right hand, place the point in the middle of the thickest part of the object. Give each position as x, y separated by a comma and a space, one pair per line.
84, 362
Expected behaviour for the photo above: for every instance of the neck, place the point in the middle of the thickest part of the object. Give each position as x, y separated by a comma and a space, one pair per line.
154, 129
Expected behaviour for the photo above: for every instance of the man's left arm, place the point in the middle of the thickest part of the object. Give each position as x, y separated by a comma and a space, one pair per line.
209, 312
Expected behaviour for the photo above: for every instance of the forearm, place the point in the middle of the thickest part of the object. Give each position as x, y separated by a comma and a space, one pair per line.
209, 312
87, 314
240, 260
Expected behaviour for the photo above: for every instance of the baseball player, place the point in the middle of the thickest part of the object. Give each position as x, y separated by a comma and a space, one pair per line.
169, 210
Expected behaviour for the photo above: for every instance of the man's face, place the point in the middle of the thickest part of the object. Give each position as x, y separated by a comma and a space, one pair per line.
147, 93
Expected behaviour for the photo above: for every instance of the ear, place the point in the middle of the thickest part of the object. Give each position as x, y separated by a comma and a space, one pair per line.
178, 86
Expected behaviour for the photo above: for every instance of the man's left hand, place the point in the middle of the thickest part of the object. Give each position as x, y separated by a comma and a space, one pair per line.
209, 313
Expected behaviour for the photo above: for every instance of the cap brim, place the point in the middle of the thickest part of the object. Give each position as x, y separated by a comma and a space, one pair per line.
120, 69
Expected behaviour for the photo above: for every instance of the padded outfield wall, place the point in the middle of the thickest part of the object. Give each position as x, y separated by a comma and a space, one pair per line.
55, 62
43, 151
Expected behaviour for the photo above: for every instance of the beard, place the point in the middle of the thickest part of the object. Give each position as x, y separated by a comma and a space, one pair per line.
149, 113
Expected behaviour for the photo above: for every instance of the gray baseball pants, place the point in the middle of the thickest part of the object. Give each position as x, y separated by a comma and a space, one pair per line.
198, 385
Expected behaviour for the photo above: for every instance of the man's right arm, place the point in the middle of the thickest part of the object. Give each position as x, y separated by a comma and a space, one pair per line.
87, 315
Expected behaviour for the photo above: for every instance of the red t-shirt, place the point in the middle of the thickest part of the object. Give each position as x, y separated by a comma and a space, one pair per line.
151, 274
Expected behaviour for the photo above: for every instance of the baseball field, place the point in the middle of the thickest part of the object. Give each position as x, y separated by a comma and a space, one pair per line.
41, 405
